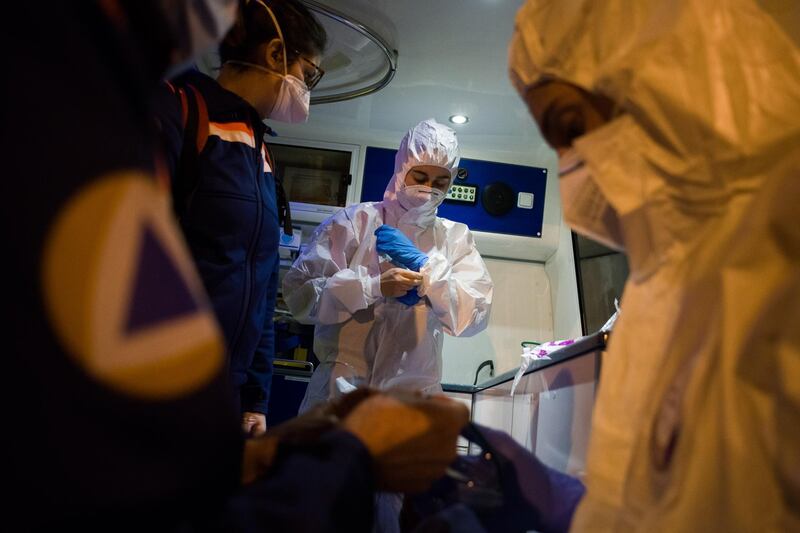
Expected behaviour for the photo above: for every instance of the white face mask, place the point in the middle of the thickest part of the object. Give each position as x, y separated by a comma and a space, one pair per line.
613, 189
419, 197
292, 103
293, 100
586, 209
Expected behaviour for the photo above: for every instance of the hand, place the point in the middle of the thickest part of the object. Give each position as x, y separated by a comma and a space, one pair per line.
410, 298
254, 424
398, 281
393, 243
412, 438
535, 496
259, 453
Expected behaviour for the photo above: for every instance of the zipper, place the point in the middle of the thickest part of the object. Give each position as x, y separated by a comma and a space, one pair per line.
249, 267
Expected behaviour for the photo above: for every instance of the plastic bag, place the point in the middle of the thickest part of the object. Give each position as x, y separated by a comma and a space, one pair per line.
609, 325
536, 353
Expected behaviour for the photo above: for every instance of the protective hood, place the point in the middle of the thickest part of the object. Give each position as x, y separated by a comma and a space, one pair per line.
427, 143
709, 94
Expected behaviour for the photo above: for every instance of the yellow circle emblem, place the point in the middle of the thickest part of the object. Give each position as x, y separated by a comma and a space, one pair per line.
122, 292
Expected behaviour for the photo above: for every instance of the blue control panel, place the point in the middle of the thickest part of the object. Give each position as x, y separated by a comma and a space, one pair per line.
495, 197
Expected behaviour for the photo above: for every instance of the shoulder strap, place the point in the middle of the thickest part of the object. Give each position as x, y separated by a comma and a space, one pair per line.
194, 116
284, 211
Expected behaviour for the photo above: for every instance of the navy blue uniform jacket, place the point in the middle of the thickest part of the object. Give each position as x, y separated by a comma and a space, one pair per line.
225, 199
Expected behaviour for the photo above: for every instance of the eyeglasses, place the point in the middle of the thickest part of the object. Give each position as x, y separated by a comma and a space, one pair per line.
311, 79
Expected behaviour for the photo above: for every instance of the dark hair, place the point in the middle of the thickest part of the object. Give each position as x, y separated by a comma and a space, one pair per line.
302, 33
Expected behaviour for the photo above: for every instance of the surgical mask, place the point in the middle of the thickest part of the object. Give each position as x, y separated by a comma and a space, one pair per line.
586, 209
613, 188
293, 100
419, 197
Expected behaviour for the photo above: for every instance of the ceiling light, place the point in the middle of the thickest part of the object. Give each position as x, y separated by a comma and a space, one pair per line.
459, 119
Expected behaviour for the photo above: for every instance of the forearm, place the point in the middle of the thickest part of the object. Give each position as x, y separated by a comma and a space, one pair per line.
334, 299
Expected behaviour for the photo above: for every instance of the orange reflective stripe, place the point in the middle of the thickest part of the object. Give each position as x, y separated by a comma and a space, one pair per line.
234, 126
235, 132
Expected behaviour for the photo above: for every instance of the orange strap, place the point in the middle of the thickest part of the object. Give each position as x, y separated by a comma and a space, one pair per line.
202, 119
202, 115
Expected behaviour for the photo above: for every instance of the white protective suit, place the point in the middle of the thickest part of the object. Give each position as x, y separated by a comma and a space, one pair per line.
697, 420
335, 284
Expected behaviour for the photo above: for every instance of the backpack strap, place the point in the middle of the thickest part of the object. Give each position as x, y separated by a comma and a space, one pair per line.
284, 211
195, 121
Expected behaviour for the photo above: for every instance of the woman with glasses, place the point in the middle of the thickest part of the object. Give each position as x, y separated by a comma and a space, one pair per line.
224, 193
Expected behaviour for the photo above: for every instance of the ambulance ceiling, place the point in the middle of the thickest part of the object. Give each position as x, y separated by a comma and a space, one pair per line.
451, 59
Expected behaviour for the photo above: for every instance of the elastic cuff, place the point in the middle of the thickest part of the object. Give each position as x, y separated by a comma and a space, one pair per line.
257, 407
420, 264
372, 289
422, 290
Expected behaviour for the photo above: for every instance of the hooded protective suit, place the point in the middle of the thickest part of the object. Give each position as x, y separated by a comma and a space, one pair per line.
691, 426
335, 283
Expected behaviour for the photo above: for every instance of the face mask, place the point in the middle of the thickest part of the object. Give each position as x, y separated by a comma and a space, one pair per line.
293, 101
613, 191
419, 197
586, 210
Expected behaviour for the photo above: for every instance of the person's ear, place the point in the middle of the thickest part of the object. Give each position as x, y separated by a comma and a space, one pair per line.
274, 55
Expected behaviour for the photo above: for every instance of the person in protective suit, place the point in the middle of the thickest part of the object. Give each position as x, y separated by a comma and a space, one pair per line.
380, 322
676, 126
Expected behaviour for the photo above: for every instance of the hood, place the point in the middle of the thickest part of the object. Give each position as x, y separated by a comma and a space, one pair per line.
712, 81
427, 143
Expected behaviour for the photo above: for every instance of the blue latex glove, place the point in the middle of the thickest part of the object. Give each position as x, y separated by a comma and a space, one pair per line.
410, 298
399, 248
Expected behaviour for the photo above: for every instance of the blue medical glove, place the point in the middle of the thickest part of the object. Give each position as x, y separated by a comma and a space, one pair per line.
399, 248
410, 298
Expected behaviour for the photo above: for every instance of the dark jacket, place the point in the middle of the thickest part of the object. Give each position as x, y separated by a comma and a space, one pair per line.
226, 202
113, 435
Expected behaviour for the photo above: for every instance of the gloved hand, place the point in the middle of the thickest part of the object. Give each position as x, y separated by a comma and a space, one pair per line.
410, 298
411, 437
536, 496
396, 282
506, 487
402, 251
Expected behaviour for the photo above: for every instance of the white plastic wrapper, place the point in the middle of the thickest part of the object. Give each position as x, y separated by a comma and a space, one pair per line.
609, 325
344, 386
536, 353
